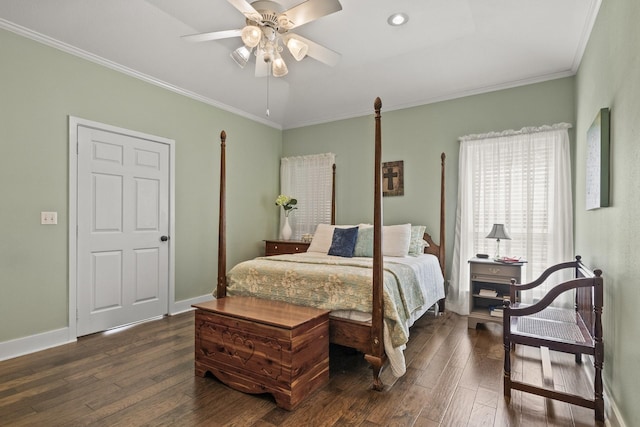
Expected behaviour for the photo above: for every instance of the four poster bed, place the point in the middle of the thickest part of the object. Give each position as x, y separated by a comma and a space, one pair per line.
387, 320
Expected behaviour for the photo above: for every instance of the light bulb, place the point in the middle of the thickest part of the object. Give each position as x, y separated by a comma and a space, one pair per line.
398, 19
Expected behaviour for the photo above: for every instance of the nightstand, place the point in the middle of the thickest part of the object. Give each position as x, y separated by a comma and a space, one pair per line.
280, 247
489, 287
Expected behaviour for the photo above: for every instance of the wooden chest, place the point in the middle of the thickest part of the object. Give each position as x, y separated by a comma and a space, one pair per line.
260, 346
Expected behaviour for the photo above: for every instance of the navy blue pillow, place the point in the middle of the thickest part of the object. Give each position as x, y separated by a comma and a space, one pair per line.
343, 242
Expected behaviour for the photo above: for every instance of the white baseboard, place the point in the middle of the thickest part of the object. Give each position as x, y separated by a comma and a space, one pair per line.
31, 344
613, 417
185, 305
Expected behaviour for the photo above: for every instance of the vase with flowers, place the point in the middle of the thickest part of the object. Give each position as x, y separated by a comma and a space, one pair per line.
288, 203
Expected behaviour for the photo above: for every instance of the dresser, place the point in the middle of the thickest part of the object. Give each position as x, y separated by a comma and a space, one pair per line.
280, 247
489, 287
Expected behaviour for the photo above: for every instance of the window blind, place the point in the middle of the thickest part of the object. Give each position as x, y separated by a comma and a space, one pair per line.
308, 179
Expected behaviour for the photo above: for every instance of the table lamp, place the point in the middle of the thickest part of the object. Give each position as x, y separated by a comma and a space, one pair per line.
498, 232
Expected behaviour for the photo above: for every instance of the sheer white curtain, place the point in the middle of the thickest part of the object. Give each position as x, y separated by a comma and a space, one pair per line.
309, 180
521, 179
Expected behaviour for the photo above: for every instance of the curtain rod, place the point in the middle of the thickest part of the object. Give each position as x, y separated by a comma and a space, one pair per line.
309, 156
510, 132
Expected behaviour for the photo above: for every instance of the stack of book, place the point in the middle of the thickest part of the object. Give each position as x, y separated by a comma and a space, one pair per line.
495, 311
488, 293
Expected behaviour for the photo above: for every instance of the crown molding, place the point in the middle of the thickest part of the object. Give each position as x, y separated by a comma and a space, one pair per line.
67, 48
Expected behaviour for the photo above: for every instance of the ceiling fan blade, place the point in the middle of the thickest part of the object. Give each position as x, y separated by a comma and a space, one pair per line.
215, 35
246, 9
311, 10
317, 51
262, 68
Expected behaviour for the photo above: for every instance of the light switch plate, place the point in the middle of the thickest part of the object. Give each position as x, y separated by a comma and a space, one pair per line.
49, 218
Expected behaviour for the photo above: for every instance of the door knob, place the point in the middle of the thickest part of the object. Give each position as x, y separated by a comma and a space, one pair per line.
164, 238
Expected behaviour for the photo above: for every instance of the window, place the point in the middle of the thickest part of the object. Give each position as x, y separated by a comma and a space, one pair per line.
523, 180
309, 179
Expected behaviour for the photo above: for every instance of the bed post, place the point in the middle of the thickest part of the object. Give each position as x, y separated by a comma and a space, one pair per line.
442, 253
221, 288
333, 195
377, 356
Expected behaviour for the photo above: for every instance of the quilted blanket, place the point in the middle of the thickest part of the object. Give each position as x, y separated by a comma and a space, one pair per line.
332, 283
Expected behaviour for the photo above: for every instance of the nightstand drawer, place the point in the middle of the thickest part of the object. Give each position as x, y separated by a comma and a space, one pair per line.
279, 247
494, 272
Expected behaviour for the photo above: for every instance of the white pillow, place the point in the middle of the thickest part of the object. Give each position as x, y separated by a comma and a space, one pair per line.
396, 240
323, 237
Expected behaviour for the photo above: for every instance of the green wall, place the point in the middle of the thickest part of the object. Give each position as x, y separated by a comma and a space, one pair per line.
606, 237
417, 136
39, 88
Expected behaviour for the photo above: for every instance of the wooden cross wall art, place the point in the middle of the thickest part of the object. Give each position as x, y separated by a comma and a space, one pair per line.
393, 178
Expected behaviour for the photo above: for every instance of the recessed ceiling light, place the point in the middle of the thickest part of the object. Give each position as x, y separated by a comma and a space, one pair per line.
398, 19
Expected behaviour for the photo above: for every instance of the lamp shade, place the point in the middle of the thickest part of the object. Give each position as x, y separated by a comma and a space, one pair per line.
498, 232
251, 35
297, 48
279, 67
241, 56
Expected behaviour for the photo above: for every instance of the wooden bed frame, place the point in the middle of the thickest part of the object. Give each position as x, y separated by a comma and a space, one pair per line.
366, 337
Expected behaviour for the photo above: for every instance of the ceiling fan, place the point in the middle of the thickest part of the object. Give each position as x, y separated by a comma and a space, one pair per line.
267, 30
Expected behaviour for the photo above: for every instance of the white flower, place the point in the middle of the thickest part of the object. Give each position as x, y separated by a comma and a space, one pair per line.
288, 203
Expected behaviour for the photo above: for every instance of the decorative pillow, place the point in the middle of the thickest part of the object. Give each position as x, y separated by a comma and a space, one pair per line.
396, 239
343, 242
416, 246
364, 243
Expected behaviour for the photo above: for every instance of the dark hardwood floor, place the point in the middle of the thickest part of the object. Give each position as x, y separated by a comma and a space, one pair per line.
144, 375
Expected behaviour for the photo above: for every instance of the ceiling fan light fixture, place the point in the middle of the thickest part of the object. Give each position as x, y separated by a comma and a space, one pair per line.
279, 67
266, 32
297, 48
241, 56
398, 19
251, 35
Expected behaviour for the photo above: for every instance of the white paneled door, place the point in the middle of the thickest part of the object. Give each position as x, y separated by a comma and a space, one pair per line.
123, 229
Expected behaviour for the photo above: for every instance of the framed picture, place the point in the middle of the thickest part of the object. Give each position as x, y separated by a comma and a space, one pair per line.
393, 178
597, 172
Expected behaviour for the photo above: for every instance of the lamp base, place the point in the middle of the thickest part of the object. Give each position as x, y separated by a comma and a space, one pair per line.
497, 257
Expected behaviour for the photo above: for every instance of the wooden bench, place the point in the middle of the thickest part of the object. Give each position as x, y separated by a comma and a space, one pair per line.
576, 331
259, 346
